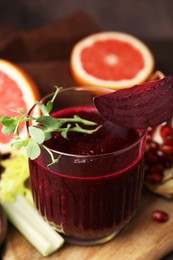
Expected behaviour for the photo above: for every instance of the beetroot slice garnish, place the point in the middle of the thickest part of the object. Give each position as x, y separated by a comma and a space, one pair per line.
147, 104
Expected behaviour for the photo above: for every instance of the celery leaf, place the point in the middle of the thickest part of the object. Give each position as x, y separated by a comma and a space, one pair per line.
14, 176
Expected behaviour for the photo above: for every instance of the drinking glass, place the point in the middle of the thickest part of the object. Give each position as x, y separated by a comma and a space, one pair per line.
88, 198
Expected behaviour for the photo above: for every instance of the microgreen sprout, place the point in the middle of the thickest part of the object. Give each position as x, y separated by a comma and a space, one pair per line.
46, 125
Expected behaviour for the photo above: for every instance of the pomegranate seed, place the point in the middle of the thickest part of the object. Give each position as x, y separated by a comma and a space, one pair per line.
154, 146
155, 177
168, 149
161, 155
156, 168
160, 216
168, 140
151, 157
150, 131
167, 134
166, 130
149, 139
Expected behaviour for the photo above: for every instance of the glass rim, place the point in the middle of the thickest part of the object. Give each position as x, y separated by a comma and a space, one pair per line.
120, 151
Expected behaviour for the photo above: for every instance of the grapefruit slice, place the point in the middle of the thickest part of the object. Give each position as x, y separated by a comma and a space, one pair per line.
17, 91
111, 59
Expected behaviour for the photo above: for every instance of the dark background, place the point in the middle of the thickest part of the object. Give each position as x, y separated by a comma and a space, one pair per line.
147, 19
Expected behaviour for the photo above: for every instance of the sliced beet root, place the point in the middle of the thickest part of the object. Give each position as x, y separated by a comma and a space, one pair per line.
147, 104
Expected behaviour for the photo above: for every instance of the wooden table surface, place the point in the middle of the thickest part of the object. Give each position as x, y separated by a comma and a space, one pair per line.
141, 239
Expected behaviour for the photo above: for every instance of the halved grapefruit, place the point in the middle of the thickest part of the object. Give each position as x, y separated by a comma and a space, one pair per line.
17, 91
111, 59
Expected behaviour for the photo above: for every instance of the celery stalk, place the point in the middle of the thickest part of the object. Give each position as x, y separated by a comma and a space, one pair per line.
14, 197
28, 221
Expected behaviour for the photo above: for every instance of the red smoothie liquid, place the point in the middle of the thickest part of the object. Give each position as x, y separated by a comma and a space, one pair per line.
93, 191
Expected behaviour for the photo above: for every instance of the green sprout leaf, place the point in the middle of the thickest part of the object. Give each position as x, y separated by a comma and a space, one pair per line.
9, 125
49, 106
8, 130
42, 108
49, 122
18, 143
33, 150
7, 121
36, 134
46, 109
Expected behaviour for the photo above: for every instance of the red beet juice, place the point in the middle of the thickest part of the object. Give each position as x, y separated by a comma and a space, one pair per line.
94, 189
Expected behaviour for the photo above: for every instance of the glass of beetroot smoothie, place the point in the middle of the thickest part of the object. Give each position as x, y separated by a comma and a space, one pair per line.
93, 191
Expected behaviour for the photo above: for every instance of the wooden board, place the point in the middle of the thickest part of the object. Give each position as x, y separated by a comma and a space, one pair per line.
140, 240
